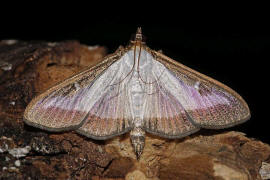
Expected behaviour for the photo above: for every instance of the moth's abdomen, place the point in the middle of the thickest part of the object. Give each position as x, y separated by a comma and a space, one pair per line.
137, 136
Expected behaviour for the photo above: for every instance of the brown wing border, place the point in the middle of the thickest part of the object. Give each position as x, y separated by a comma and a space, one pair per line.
97, 70
168, 63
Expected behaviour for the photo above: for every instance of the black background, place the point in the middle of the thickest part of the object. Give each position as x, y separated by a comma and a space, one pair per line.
228, 44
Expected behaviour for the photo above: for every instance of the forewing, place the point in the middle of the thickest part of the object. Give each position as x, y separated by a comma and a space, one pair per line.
208, 103
164, 114
66, 105
110, 115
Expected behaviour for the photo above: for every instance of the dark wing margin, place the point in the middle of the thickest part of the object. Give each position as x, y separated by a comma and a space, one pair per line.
164, 114
212, 104
65, 105
110, 115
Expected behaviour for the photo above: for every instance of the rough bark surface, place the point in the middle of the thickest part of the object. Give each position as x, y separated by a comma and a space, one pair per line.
29, 153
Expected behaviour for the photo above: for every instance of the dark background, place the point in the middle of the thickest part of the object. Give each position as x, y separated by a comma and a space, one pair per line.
230, 45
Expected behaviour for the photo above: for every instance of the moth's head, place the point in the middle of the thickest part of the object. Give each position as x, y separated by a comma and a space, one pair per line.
138, 38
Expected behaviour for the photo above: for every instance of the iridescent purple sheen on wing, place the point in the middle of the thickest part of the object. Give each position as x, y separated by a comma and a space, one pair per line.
58, 111
212, 106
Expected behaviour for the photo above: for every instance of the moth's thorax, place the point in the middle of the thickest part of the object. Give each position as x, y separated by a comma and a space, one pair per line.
137, 94
138, 55
142, 81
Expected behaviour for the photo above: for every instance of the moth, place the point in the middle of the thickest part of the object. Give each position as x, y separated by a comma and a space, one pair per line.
137, 90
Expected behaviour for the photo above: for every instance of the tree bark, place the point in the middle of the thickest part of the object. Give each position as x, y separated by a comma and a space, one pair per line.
28, 68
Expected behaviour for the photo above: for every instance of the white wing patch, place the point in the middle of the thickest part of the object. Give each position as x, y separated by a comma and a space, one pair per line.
130, 96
